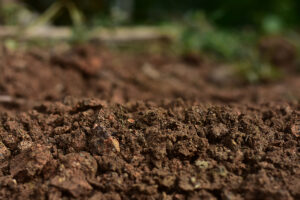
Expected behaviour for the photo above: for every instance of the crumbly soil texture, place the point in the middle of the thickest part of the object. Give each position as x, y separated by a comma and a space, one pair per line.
92, 124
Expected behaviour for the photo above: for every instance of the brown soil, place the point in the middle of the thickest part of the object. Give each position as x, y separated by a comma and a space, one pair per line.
94, 124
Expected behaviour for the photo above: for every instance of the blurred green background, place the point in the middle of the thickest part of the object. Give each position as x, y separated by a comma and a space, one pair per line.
259, 39
224, 13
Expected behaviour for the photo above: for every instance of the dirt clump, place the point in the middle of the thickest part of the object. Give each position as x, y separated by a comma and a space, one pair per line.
171, 150
82, 58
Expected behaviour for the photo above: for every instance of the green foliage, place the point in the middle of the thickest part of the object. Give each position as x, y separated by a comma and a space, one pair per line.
272, 25
8, 13
199, 35
220, 43
223, 13
10, 44
14, 14
256, 71
238, 48
80, 34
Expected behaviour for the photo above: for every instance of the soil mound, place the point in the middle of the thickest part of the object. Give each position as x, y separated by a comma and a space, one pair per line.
94, 124
27, 79
88, 149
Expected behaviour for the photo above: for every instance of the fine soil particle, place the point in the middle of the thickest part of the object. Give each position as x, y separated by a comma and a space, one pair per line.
171, 150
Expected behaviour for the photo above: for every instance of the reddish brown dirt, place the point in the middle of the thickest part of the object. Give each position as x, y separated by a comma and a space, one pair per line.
28, 78
143, 127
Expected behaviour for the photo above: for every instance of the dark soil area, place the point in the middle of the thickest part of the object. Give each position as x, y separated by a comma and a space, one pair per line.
94, 124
